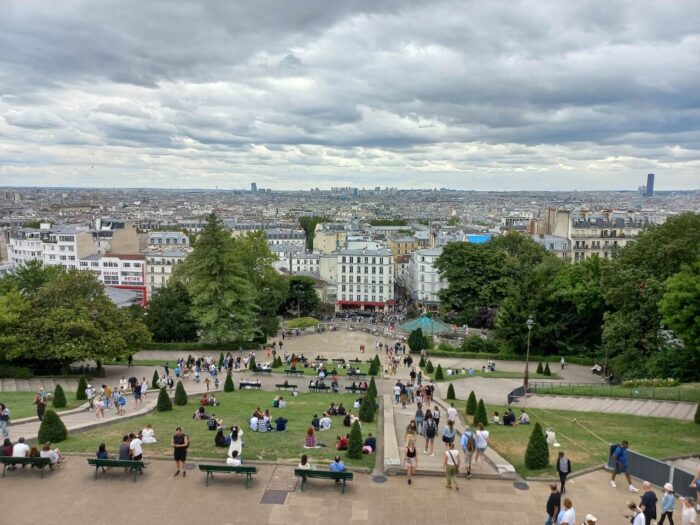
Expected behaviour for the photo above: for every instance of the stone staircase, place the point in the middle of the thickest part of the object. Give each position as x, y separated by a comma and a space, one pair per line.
639, 407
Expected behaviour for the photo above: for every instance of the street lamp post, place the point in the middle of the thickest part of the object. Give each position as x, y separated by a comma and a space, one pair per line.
529, 324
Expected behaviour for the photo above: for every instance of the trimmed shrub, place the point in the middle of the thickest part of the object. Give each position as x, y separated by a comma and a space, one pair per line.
421, 363
471, 404
221, 359
80, 392
439, 375
15, 372
164, 403
302, 322
450, 392
251, 364
480, 414
228, 384
547, 371
540, 370
367, 409
372, 389
697, 415
417, 341
375, 366
154, 381
429, 367
52, 428
180, 394
355, 442
537, 453
59, 397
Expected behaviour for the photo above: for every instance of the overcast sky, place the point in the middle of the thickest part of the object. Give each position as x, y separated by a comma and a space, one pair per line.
300, 94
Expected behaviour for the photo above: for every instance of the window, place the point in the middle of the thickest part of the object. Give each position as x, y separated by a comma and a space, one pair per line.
381, 289
343, 288
127, 265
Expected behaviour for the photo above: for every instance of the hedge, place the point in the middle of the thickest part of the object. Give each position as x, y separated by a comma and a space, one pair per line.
245, 345
456, 353
302, 322
15, 372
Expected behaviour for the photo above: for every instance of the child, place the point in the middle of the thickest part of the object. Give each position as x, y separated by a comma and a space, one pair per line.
668, 503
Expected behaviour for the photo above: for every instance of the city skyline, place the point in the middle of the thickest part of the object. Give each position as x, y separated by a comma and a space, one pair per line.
534, 96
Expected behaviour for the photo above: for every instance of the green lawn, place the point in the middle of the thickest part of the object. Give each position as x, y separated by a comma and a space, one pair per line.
655, 437
683, 392
494, 375
21, 404
236, 409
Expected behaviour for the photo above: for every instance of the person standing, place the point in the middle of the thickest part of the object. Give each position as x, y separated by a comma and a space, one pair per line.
620, 457
411, 460
452, 413
648, 502
468, 447
90, 394
40, 406
695, 483
563, 469
668, 504
688, 513
430, 431
553, 505
569, 517
562, 363
135, 449
451, 464
4, 420
637, 516
482, 443
129, 361
180, 443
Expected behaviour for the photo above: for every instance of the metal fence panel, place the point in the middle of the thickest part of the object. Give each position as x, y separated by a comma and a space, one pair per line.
681, 483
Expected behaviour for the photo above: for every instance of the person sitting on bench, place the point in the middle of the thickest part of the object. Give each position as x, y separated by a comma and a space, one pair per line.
337, 466
234, 460
53, 454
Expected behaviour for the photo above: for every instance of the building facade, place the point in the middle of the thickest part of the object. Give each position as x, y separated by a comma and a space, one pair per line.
160, 265
365, 280
424, 278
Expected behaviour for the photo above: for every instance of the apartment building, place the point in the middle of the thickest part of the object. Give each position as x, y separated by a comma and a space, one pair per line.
286, 236
330, 237
26, 244
560, 246
365, 279
124, 271
306, 263
424, 279
157, 239
67, 245
160, 264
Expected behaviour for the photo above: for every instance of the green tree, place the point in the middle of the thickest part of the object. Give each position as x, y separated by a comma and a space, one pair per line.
164, 404
30, 277
223, 298
155, 380
439, 375
450, 392
372, 389
417, 341
355, 441
221, 360
680, 306
302, 298
169, 317
251, 363
228, 384
540, 369
537, 453
471, 404
73, 320
367, 409
59, 397
180, 394
15, 308
546, 370
429, 367
308, 224
52, 428
480, 414
421, 363
80, 394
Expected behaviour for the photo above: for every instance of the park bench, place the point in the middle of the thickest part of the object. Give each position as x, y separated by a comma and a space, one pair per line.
322, 474
339, 360
319, 388
248, 384
267, 371
135, 466
355, 389
356, 360
358, 375
286, 387
294, 372
210, 469
40, 463
322, 359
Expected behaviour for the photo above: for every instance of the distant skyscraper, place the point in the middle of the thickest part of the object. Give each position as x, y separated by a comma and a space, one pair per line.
650, 185
253, 187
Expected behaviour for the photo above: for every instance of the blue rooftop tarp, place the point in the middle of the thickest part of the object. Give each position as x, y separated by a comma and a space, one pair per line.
478, 238
428, 325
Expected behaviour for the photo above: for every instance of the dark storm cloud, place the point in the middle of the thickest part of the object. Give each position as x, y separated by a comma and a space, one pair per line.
395, 88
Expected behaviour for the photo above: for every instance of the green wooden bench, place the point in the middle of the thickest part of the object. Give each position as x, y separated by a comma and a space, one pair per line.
322, 474
355, 389
248, 471
243, 385
135, 466
294, 372
314, 388
40, 463
286, 387
267, 371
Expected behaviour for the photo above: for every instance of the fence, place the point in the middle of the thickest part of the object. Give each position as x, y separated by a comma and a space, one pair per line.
656, 471
668, 393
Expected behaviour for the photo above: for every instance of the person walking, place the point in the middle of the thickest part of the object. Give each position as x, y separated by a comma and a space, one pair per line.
4, 420
668, 504
451, 464
129, 361
553, 505
688, 513
482, 443
569, 516
448, 434
40, 406
648, 502
636, 516
563, 469
468, 444
620, 457
180, 443
430, 431
411, 460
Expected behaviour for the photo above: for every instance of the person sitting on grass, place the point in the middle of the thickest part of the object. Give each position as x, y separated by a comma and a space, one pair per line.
149, 435
282, 403
325, 422
315, 422
341, 410
204, 401
263, 425
509, 418
524, 418
213, 423
281, 424
253, 424
53, 454
220, 439
310, 441
332, 410
200, 413
341, 443
370, 444
496, 418
234, 460
212, 401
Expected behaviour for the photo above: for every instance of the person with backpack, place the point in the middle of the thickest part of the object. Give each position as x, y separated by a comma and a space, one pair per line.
430, 431
468, 447
619, 455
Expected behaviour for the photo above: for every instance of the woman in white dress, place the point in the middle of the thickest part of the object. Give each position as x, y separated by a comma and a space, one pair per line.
149, 435
236, 442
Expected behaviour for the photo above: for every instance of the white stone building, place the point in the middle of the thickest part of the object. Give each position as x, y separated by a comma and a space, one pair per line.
365, 279
424, 278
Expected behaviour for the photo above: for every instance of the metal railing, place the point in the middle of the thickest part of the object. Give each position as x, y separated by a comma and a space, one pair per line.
606, 390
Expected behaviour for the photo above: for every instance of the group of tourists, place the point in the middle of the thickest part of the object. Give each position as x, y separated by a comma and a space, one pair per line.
106, 398
20, 449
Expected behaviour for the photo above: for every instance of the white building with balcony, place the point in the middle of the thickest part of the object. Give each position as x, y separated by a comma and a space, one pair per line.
160, 265
424, 279
26, 244
365, 279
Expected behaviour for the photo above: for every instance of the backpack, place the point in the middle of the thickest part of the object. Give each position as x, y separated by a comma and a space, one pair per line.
430, 429
471, 444
211, 424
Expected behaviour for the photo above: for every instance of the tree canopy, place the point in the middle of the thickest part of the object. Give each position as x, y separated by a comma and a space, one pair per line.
169, 317
301, 295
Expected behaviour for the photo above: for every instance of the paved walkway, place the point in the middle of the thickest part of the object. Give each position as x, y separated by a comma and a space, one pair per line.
638, 407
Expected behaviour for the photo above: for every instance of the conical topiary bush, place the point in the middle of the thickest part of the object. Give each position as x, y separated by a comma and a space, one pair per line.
367, 409
180, 394
154, 381
471, 404
52, 428
164, 403
228, 384
59, 397
547, 371
251, 364
372, 389
80, 394
421, 363
450, 392
221, 360
537, 453
540, 370
355, 442
429, 367
439, 375
480, 414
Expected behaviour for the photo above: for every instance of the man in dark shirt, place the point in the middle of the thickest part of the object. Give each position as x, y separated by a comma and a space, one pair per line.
371, 442
124, 449
648, 503
315, 422
553, 504
281, 424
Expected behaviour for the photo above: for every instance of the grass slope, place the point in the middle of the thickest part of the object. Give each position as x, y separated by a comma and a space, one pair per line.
683, 392
21, 404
